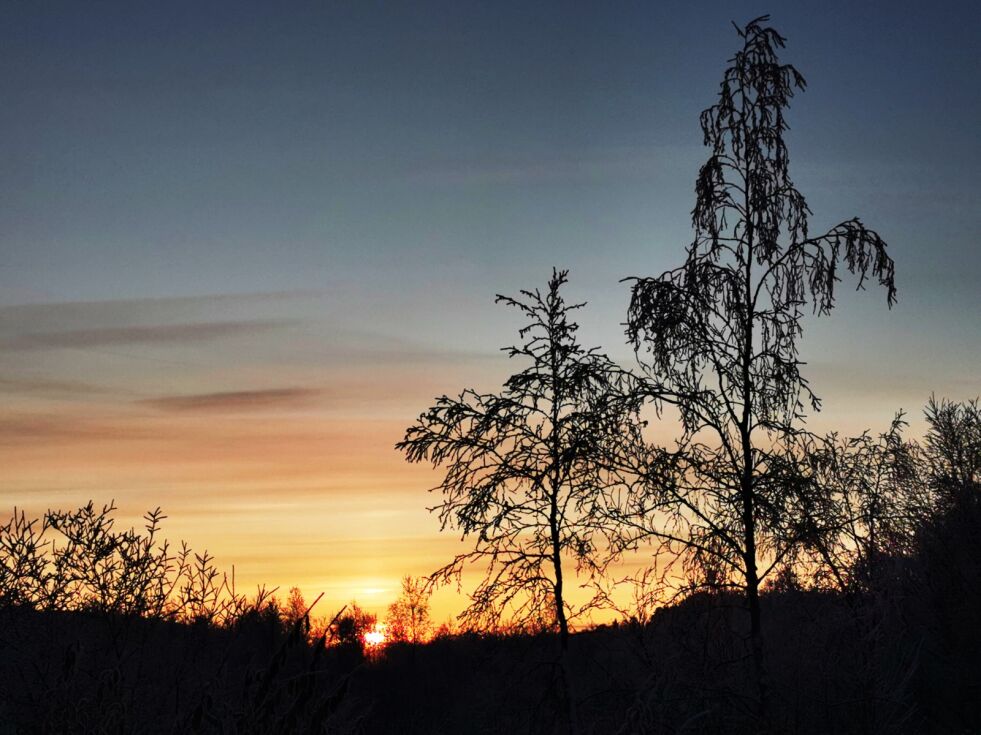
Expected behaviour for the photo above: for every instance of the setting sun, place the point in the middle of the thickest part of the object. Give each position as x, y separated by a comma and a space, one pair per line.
375, 637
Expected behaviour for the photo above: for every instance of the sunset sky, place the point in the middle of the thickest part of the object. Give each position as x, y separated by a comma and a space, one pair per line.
243, 245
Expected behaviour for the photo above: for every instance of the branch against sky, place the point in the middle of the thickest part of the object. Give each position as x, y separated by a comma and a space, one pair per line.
861, 504
529, 469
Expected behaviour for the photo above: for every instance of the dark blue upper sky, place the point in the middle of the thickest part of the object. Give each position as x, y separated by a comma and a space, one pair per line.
417, 155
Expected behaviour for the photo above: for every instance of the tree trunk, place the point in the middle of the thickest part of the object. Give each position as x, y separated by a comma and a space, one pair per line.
746, 481
755, 626
753, 579
557, 565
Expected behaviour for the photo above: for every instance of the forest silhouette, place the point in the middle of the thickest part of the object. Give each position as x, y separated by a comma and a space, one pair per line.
796, 582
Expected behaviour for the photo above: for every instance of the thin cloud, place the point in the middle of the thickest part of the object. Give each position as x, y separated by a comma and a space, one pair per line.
53, 388
47, 429
245, 400
126, 306
152, 334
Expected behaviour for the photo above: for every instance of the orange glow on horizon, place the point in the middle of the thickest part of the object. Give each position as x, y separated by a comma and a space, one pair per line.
267, 450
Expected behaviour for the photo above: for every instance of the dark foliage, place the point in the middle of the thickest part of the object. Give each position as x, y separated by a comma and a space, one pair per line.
91, 672
944, 588
107, 631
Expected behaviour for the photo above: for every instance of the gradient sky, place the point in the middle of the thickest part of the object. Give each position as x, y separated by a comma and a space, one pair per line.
243, 245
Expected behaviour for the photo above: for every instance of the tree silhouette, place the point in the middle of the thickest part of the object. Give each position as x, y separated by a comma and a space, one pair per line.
953, 444
527, 468
350, 627
718, 336
408, 617
947, 591
295, 610
861, 506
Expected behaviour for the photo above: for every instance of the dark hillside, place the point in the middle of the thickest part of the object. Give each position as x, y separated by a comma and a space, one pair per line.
834, 667
68, 672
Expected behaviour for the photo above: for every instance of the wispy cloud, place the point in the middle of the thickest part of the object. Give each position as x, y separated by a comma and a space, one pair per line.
243, 400
30, 310
150, 334
53, 388
49, 429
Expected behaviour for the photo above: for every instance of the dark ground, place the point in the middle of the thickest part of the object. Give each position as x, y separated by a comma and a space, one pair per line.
885, 665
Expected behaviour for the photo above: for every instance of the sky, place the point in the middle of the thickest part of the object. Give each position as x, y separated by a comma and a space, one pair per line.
243, 245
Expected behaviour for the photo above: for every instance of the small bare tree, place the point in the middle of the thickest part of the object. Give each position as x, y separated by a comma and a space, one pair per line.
527, 468
718, 336
408, 617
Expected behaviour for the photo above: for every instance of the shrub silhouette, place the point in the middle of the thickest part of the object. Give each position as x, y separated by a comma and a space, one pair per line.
106, 630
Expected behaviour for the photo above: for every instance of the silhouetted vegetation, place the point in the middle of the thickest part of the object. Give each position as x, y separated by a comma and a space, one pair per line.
104, 630
872, 627
862, 635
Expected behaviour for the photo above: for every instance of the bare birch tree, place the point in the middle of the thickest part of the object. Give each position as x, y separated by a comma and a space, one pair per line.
718, 336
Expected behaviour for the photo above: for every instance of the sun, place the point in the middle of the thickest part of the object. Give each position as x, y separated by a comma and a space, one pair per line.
375, 638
